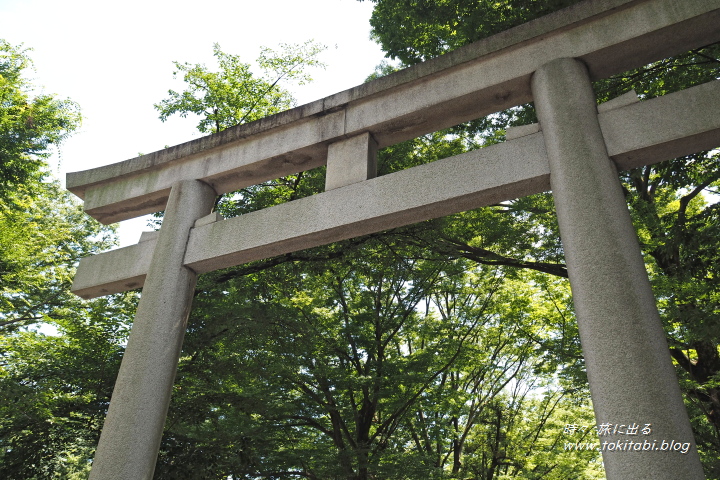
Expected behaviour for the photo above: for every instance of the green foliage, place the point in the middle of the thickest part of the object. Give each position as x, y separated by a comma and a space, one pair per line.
58, 355
675, 210
443, 350
42, 236
373, 358
665, 76
56, 389
30, 124
283, 375
234, 95
415, 30
674, 204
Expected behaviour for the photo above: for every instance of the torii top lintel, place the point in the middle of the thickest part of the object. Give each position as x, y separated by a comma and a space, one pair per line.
609, 36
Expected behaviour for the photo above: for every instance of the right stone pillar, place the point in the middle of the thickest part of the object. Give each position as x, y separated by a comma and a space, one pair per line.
638, 405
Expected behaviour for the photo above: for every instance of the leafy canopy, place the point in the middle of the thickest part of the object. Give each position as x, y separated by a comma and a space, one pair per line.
415, 30
42, 237
234, 95
674, 203
30, 124
59, 355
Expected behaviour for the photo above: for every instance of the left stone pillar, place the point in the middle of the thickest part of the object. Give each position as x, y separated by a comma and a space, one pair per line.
133, 428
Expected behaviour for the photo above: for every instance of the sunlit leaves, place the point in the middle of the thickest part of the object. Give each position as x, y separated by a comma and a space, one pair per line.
30, 123
56, 389
58, 355
415, 30
234, 94
41, 238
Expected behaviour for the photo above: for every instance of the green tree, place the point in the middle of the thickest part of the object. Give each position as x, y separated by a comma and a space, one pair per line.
271, 386
320, 363
42, 237
415, 30
674, 203
374, 358
30, 124
441, 350
58, 354
56, 388
43, 232
520, 234
234, 95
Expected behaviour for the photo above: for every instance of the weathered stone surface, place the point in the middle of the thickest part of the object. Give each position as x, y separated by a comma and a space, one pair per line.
575, 150
350, 161
610, 36
133, 427
481, 177
114, 271
638, 133
631, 376
647, 132
625, 99
516, 132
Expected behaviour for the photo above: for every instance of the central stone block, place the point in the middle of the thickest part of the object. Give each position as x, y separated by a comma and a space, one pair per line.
351, 160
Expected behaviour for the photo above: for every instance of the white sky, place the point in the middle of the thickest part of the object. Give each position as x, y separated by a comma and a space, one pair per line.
115, 60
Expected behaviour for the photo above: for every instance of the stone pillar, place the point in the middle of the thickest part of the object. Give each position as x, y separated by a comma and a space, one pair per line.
632, 379
134, 424
350, 161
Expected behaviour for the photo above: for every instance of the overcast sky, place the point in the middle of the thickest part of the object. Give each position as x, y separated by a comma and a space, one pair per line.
115, 60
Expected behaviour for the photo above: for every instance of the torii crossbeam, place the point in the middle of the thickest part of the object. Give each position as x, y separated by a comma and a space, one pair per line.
575, 151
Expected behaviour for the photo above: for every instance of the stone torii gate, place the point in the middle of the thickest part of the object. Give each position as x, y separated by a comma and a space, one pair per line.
575, 151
